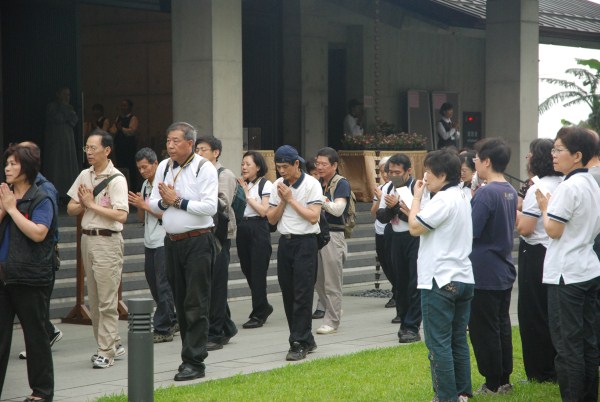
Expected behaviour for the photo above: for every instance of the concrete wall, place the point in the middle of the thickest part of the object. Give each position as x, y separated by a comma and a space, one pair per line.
127, 54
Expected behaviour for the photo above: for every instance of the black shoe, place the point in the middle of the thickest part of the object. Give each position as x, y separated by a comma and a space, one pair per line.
253, 322
210, 346
30, 399
311, 348
391, 303
188, 373
397, 320
408, 336
269, 312
318, 314
297, 352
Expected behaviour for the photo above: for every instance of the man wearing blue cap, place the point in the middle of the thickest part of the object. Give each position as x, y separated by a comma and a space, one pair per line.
295, 206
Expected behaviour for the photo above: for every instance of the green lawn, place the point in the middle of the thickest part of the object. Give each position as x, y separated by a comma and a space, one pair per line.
398, 373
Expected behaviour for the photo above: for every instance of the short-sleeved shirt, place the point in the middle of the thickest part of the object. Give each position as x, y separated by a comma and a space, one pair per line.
114, 196
342, 190
444, 249
41, 215
306, 191
379, 227
576, 203
154, 233
253, 192
397, 224
494, 211
532, 209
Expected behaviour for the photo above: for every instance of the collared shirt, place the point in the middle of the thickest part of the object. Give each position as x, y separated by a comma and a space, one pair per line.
114, 196
154, 233
351, 126
253, 193
379, 227
398, 225
575, 203
443, 251
532, 210
306, 191
199, 193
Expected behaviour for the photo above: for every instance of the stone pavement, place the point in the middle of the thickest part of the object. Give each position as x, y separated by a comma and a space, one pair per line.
365, 325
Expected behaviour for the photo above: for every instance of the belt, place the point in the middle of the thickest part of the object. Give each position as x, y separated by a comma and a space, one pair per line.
187, 235
98, 232
298, 236
254, 218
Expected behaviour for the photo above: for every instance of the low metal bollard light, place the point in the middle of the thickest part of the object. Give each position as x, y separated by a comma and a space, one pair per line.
140, 370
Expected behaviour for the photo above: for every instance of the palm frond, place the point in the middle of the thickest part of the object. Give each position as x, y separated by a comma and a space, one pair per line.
583, 74
565, 96
564, 83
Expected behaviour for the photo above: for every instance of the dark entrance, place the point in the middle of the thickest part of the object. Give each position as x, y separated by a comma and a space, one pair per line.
336, 97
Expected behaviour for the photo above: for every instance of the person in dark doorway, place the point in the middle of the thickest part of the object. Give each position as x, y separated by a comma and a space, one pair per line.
164, 321
447, 129
125, 129
353, 120
295, 206
60, 164
186, 192
98, 119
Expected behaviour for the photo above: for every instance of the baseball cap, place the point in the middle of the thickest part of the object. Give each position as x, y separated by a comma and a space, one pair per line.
287, 154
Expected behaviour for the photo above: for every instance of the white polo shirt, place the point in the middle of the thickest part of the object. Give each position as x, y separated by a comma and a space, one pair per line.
253, 193
379, 227
532, 209
444, 249
397, 224
199, 193
306, 191
154, 233
576, 203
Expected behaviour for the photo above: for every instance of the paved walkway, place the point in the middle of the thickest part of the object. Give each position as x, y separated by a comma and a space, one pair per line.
365, 325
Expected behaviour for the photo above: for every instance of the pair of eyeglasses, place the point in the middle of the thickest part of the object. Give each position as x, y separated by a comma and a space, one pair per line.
89, 148
556, 151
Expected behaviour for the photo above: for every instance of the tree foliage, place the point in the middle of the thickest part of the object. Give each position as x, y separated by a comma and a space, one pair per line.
582, 90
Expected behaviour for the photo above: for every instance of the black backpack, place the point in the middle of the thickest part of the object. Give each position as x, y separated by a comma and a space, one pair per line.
261, 186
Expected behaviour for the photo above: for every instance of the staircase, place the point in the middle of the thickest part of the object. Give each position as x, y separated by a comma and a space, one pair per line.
359, 267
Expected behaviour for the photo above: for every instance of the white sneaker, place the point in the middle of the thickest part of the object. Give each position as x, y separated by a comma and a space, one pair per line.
118, 353
55, 338
463, 398
325, 330
23, 355
103, 362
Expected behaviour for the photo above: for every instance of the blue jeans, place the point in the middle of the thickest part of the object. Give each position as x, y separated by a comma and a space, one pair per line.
445, 317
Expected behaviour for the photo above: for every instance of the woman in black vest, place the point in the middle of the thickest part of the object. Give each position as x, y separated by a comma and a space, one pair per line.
447, 130
27, 226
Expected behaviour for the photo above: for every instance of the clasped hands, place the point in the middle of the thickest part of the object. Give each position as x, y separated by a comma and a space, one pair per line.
167, 193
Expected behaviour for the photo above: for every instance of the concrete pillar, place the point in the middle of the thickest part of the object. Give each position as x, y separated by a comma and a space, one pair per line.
292, 68
511, 98
207, 71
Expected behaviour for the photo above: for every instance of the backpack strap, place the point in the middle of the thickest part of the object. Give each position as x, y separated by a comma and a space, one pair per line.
261, 187
102, 185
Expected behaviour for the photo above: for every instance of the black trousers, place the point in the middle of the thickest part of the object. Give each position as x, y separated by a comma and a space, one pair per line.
538, 350
254, 251
221, 324
156, 275
404, 250
30, 305
296, 272
491, 337
572, 314
189, 267
49, 326
382, 248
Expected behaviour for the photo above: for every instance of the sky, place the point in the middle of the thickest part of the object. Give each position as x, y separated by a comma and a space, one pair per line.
553, 61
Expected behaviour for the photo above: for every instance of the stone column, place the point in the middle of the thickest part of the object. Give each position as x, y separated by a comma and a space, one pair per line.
207, 71
511, 99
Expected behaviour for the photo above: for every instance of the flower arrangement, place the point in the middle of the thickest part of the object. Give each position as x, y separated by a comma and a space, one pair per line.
385, 138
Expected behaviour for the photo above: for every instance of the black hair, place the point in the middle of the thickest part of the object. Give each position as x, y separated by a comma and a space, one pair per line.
146, 153
352, 103
496, 150
259, 161
310, 166
578, 139
129, 102
28, 158
214, 143
106, 140
467, 158
540, 161
444, 161
398, 159
330, 153
445, 107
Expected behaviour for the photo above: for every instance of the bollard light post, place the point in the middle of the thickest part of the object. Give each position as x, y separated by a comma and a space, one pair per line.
140, 369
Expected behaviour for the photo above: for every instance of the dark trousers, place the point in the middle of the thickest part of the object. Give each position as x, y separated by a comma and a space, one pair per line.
30, 305
382, 248
49, 326
404, 250
296, 271
491, 337
156, 276
538, 350
254, 251
220, 316
189, 267
572, 313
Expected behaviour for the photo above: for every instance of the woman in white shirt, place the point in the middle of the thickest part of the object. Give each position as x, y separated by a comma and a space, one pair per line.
538, 351
254, 237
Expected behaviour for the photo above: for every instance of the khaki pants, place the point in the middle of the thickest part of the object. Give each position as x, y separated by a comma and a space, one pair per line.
103, 263
330, 278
